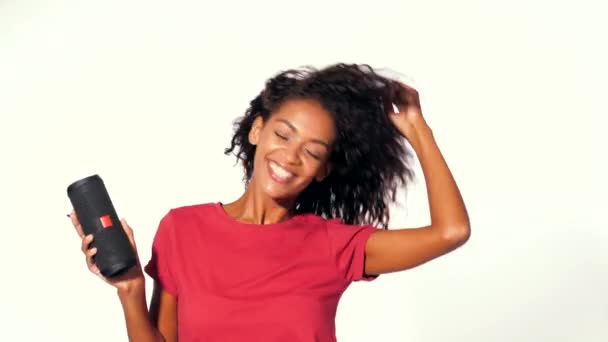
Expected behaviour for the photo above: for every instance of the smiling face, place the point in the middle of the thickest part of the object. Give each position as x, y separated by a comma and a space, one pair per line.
292, 148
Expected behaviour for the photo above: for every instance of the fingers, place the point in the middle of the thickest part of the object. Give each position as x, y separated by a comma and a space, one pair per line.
91, 263
88, 239
89, 256
409, 92
408, 95
408, 87
89, 253
86, 242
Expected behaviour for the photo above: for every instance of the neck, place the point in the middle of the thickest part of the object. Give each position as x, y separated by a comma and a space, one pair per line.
255, 207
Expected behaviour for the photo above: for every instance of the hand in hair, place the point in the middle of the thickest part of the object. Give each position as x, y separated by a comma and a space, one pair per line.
409, 113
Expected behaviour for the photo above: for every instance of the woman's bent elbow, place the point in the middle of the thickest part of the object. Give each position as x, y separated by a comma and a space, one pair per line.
457, 235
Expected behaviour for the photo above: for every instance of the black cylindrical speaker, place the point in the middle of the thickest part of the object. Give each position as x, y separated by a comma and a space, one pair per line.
97, 216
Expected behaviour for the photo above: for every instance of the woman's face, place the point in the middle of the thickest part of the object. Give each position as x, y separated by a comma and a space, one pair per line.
292, 148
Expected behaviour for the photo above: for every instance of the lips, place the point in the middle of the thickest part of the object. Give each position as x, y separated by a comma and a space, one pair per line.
278, 173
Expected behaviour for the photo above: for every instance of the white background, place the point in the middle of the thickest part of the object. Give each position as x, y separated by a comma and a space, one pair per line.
144, 93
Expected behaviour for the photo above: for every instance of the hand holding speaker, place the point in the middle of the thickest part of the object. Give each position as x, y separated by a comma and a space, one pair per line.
107, 242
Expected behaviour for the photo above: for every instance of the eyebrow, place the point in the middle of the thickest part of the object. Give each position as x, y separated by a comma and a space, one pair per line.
293, 128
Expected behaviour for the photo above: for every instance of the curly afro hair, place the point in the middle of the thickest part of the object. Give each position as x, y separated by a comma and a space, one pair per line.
370, 160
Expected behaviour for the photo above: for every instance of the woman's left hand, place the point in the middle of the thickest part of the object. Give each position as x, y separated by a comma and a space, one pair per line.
409, 116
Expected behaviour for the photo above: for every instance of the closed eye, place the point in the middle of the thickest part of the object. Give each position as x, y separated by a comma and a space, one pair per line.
280, 135
314, 155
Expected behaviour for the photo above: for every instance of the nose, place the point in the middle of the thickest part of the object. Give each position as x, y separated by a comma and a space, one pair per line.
291, 154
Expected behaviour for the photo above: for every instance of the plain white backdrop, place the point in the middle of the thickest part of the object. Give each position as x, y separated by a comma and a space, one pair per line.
144, 94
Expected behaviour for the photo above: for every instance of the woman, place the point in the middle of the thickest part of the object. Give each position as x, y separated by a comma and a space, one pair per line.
323, 153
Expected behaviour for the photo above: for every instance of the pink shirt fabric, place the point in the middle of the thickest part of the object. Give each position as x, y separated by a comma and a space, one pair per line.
236, 281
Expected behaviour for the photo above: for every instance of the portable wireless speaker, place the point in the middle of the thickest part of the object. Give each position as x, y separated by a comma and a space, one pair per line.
97, 216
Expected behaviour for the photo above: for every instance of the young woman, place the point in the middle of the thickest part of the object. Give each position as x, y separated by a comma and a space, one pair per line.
323, 153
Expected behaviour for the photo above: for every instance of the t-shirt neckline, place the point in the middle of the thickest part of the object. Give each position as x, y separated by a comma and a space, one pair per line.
219, 206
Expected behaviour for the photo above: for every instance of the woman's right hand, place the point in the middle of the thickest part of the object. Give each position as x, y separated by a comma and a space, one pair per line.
126, 282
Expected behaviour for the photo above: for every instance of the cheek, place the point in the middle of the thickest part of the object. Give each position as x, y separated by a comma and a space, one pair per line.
312, 168
269, 141
266, 145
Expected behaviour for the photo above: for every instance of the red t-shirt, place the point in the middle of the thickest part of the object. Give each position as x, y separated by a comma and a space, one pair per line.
236, 281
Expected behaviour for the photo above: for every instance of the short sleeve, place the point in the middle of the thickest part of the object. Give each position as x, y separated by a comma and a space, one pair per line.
348, 248
160, 265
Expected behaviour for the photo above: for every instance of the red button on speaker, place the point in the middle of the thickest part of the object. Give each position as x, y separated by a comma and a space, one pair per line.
106, 221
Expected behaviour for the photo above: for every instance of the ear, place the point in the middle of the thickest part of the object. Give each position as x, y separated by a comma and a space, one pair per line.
324, 172
255, 131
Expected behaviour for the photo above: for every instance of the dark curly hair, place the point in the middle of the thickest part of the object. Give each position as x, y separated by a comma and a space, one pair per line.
369, 159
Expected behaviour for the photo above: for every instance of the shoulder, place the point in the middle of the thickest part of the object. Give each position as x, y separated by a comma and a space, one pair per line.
338, 225
337, 229
181, 218
189, 212
347, 243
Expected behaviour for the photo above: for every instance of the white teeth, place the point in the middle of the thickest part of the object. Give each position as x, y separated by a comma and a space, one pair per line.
279, 171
